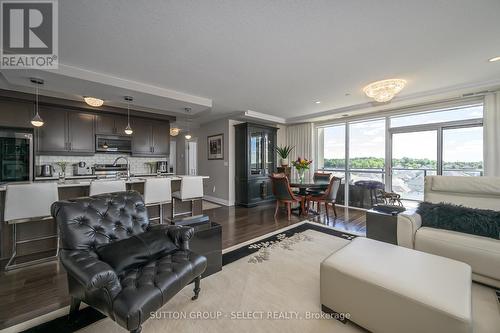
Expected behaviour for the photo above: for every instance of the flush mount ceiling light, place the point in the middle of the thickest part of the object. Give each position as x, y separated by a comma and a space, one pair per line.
385, 90
93, 101
37, 121
494, 59
174, 131
128, 129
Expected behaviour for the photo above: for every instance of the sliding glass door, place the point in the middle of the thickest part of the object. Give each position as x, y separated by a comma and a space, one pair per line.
414, 156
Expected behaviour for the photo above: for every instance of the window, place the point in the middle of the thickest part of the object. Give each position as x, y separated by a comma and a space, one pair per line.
439, 116
463, 151
444, 141
333, 144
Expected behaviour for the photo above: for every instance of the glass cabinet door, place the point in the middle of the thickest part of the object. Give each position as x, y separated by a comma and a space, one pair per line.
256, 162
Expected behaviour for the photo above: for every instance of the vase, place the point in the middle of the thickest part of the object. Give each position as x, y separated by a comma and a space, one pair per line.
284, 162
302, 173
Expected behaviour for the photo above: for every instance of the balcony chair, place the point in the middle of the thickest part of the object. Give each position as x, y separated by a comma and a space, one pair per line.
117, 262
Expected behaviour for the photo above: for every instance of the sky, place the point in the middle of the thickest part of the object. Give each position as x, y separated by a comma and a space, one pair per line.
367, 139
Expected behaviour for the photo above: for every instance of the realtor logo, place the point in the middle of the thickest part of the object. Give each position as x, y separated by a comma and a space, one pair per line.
29, 36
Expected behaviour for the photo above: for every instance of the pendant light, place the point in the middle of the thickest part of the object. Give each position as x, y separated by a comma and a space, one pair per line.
128, 129
188, 134
37, 121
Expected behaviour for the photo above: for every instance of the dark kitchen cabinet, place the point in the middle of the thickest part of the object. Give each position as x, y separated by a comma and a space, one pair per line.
161, 138
150, 138
255, 161
110, 124
51, 137
142, 140
65, 132
80, 132
16, 114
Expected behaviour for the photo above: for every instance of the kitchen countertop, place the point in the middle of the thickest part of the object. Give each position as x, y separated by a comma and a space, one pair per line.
79, 181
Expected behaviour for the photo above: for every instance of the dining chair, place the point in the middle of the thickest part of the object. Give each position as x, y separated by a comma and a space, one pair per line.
283, 194
326, 176
328, 197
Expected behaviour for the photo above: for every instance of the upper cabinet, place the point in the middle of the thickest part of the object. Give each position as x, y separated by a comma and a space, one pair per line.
16, 114
81, 138
65, 132
110, 124
150, 138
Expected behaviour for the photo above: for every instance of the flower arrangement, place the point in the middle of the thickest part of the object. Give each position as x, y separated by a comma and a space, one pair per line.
301, 164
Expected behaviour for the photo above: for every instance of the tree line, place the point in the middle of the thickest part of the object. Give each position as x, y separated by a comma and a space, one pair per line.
403, 163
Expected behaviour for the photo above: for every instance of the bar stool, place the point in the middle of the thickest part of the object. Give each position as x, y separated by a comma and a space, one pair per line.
191, 189
106, 186
26, 203
157, 191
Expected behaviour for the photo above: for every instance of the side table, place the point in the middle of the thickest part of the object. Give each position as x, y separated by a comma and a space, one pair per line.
382, 226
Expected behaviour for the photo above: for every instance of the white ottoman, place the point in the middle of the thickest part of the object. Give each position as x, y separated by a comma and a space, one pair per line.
388, 288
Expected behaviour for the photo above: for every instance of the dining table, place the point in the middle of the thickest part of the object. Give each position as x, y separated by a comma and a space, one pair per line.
308, 184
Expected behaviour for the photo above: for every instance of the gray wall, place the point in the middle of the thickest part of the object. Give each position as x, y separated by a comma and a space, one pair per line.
220, 186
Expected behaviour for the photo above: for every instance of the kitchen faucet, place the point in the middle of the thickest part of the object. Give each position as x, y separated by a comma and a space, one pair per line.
128, 165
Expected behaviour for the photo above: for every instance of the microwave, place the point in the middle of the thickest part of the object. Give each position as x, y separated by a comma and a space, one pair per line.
113, 144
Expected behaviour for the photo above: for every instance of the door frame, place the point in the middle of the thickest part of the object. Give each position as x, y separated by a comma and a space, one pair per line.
188, 168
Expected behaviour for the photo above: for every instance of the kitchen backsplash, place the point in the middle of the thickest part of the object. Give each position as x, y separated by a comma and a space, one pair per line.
137, 164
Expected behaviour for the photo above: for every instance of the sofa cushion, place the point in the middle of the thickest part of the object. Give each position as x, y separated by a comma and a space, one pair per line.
481, 253
136, 250
479, 222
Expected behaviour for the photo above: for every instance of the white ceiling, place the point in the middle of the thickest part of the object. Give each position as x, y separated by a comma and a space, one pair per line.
272, 57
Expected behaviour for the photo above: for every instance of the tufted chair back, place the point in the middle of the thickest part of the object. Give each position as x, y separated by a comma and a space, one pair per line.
89, 222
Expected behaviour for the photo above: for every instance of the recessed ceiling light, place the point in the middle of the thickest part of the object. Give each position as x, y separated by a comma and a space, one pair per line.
92, 101
494, 59
318, 102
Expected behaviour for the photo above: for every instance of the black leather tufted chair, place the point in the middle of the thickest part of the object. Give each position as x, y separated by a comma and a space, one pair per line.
128, 296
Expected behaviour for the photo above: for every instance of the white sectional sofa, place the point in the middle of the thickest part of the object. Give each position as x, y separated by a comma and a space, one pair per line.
481, 253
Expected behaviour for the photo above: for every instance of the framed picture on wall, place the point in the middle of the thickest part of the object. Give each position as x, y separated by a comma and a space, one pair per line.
216, 147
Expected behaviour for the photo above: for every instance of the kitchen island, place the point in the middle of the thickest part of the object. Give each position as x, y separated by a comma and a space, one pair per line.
75, 187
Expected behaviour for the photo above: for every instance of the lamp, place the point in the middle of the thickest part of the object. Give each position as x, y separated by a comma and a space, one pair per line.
188, 135
37, 121
174, 131
93, 101
385, 90
128, 129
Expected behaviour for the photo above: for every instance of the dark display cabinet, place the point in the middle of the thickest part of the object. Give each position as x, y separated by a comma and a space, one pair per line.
255, 162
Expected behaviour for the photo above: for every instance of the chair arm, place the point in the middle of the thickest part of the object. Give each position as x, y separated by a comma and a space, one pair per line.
408, 224
180, 235
92, 273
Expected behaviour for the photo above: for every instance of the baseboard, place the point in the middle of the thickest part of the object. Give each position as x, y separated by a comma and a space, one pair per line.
216, 200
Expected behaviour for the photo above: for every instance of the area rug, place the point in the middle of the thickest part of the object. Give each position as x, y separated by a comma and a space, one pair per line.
272, 285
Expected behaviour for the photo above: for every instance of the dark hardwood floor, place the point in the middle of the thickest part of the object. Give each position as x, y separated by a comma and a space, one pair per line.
31, 292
